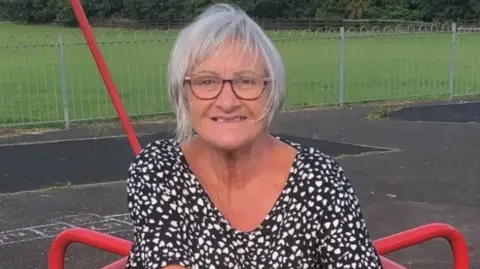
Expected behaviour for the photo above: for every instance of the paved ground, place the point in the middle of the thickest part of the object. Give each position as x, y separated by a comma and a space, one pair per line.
85, 161
458, 113
432, 177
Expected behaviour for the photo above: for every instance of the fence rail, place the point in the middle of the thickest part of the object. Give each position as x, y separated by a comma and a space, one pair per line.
52, 78
269, 24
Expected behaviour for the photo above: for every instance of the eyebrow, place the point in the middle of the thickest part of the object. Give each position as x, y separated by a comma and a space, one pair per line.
244, 71
236, 73
206, 72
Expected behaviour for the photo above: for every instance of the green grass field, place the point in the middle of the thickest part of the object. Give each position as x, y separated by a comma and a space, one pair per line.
375, 68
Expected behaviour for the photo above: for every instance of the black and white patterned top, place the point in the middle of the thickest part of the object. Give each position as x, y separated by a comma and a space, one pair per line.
315, 223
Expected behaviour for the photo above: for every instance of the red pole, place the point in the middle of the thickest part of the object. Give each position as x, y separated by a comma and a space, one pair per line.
107, 79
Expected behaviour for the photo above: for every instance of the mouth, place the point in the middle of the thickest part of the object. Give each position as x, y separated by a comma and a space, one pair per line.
229, 119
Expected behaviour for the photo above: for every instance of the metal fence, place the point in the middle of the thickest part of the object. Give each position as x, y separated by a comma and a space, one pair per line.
52, 78
267, 24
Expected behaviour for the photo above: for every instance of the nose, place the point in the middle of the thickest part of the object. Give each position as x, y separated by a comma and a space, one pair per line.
227, 100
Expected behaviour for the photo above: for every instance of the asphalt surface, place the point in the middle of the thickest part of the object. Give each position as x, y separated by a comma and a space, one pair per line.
57, 164
431, 176
457, 112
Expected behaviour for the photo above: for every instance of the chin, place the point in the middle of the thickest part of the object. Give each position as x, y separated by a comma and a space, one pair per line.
227, 142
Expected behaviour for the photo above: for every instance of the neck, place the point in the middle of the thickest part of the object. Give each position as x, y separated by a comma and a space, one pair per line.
233, 169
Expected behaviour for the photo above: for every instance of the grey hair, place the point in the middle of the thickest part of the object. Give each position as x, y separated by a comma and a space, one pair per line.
200, 38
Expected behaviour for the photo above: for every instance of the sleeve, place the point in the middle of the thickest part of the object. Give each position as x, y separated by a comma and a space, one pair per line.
157, 238
346, 242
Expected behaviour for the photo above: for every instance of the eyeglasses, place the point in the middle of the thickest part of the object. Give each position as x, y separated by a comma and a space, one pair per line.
246, 87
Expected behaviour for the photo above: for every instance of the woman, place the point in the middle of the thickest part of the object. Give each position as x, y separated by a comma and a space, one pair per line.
232, 196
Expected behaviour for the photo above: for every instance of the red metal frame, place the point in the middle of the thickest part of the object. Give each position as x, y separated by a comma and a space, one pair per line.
424, 233
56, 255
107, 78
398, 241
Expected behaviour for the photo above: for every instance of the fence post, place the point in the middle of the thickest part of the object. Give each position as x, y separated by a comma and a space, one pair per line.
451, 75
342, 67
63, 82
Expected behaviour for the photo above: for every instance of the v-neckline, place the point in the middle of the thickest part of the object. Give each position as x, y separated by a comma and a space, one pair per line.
290, 178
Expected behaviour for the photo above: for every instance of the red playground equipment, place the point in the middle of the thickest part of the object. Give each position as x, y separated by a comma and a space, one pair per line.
121, 247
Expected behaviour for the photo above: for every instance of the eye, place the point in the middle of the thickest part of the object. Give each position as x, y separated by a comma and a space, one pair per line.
205, 81
246, 81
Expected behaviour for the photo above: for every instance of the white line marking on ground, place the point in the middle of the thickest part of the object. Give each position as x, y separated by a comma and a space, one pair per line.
105, 224
73, 187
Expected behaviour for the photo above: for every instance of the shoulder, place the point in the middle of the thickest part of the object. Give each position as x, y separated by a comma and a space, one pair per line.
314, 163
321, 173
157, 161
155, 200
159, 153
154, 179
332, 194
336, 210
158, 150
324, 168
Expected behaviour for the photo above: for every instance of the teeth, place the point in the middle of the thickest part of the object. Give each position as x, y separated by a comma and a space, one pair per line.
228, 120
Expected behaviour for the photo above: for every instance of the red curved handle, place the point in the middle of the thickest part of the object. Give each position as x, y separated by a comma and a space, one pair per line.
56, 255
424, 233
107, 78
386, 245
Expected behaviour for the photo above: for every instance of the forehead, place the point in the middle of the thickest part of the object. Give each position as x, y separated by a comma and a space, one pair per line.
228, 57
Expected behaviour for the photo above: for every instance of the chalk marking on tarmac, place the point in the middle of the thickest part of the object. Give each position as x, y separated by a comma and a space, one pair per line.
77, 186
38, 232
105, 224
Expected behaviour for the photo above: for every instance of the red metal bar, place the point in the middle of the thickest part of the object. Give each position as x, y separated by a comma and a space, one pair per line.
122, 264
424, 233
56, 255
107, 78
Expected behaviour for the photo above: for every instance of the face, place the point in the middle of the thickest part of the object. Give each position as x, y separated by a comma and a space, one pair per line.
227, 118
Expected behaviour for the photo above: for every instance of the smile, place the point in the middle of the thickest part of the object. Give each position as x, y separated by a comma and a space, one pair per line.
229, 119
